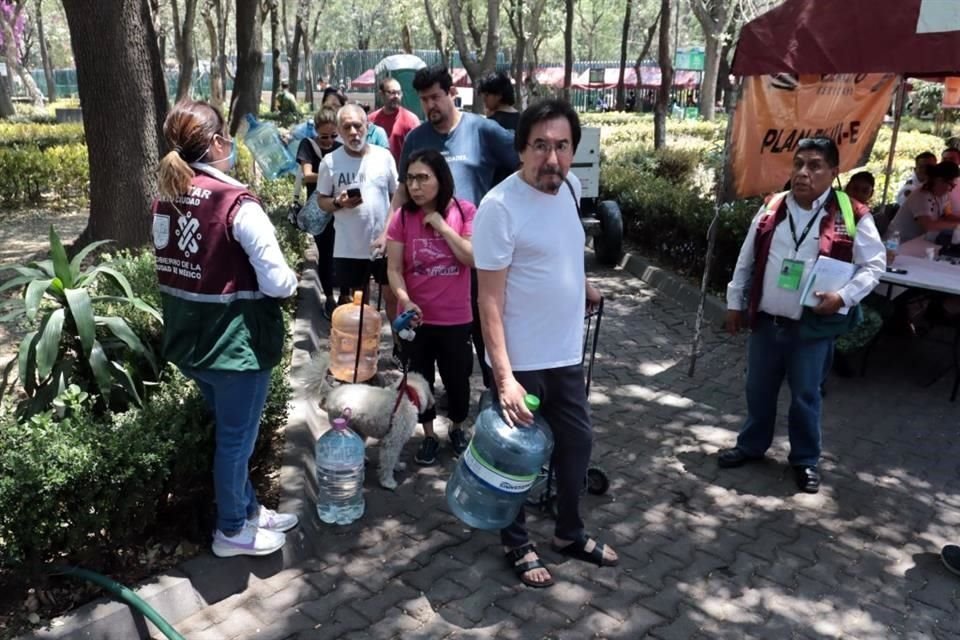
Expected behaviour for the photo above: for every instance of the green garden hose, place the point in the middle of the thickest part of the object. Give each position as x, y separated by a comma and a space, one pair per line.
125, 595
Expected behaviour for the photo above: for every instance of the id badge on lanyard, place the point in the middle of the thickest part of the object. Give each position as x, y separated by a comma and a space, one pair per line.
791, 274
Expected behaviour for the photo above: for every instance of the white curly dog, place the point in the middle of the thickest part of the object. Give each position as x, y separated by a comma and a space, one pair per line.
371, 409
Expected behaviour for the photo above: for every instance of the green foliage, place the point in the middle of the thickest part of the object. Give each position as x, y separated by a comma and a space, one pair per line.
40, 135
28, 172
88, 479
69, 342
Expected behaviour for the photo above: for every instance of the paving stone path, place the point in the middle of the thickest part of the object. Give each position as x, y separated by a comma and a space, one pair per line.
705, 553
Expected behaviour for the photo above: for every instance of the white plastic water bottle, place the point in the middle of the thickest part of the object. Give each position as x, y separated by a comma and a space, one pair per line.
339, 459
491, 481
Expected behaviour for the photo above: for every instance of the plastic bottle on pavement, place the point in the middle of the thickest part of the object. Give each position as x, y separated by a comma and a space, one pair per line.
493, 476
339, 459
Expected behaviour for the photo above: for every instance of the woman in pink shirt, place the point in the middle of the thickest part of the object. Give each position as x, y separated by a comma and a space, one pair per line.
429, 256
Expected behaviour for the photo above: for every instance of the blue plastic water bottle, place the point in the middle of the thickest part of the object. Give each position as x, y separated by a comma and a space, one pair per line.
298, 134
263, 141
493, 476
339, 459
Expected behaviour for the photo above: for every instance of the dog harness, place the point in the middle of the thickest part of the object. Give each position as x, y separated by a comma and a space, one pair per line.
404, 390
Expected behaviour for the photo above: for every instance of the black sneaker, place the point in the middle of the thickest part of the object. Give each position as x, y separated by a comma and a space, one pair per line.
950, 555
458, 441
427, 453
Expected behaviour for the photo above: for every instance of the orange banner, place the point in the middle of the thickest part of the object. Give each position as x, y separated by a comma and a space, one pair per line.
776, 112
951, 93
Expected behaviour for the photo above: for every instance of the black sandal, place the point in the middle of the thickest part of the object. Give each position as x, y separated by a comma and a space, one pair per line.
515, 555
577, 550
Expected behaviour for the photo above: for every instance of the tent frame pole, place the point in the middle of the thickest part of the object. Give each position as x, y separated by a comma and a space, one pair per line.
899, 102
712, 232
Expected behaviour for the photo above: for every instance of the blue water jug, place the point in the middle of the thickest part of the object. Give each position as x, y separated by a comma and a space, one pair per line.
339, 459
263, 141
493, 476
298, 134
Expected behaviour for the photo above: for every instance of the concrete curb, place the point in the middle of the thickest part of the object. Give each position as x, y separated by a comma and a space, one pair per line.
675, 287
205, 580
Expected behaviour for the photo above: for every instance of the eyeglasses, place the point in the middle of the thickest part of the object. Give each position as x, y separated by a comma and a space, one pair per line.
418, 178
321, 136
543, 148
393, 93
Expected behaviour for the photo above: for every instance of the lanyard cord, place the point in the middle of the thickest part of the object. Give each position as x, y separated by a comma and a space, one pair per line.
806, 231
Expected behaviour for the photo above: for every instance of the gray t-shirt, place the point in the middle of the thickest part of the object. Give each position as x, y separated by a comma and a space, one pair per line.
475, 150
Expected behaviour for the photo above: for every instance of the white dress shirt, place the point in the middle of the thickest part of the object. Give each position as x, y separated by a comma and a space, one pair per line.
869, 255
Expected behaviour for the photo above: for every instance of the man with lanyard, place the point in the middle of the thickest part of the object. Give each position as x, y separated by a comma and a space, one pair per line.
787, 340
475, 149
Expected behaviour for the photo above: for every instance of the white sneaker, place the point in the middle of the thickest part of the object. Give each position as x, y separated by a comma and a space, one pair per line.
273, 521
249, 541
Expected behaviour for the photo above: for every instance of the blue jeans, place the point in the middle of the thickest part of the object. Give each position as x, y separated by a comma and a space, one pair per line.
775, 352
236, 399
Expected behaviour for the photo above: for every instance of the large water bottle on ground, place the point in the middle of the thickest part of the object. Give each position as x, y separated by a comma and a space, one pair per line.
491, 481
339, 459
345, 332
263, 140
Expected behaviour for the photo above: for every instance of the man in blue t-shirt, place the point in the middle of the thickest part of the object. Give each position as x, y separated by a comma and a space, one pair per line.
474, 147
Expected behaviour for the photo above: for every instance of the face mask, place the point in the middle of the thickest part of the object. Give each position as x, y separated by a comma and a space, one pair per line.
231, 159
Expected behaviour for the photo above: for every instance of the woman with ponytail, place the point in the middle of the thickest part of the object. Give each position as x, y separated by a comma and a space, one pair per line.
222, 276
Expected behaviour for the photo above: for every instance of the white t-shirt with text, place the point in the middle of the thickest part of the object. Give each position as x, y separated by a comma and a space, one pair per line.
539, 239
375, 172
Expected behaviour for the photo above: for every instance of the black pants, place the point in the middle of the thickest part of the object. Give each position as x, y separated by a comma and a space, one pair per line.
325, 259
477, 333
447, 347
563, 404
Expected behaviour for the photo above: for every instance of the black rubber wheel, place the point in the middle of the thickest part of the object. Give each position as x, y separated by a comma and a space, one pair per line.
597, 482
609, 243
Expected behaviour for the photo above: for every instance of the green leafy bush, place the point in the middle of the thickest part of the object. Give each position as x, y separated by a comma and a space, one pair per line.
40, 135
70, 343
28, 173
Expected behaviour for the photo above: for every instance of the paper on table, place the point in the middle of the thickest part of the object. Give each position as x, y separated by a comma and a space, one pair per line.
827, 274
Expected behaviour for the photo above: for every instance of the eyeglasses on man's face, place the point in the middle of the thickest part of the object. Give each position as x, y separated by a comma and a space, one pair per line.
543, 148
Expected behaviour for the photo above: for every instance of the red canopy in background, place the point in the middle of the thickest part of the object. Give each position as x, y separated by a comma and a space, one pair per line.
650, 78
919, 38
460, 77
366, 80
550, 76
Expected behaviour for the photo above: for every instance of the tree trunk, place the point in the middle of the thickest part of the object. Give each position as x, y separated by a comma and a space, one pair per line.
308, 80
223, 14
45, 56
6, 104
488, 62
13, 58
275, 58
621, 92
666, 78
124, 105
568, 52
406, 38
637, 67
708, 85
299, 34
515, 17
249, 79
439, 38
216, 79
183, 43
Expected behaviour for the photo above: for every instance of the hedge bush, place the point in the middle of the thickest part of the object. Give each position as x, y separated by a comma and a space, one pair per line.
86, 485
40, 135
28, 172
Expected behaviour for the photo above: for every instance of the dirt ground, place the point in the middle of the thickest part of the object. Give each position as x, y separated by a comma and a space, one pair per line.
24, 234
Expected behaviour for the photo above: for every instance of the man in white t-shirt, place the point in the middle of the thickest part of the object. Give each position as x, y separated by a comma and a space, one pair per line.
356, 183
528, 249
920, 165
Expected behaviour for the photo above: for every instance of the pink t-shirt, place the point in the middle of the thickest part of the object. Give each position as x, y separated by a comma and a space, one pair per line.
436, 281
